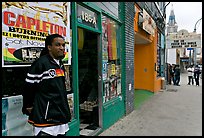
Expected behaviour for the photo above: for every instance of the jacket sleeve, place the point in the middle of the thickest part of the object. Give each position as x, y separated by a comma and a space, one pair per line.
30, 87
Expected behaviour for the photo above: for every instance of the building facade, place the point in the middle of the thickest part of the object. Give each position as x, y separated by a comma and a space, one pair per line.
149, 48
99, 60
107, 43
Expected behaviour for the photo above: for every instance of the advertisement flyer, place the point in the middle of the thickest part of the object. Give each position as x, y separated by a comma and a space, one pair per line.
25, 26
14, 123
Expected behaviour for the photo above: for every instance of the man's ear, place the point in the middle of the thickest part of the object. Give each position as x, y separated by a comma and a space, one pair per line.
49, 47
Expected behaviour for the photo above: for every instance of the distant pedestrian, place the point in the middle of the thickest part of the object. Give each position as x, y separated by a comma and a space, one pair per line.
190, 70
186, 67
177, 73
197, 73
171, 73
173, 70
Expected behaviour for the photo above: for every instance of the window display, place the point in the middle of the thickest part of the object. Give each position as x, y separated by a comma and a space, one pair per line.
111, 59
158, 54
12, 80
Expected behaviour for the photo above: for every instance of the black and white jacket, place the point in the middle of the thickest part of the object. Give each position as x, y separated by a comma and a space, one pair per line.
45, 91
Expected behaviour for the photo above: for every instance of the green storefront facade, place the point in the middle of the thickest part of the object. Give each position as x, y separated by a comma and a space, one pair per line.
90, 20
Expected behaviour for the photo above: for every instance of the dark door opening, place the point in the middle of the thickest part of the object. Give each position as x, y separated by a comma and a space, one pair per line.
88, 81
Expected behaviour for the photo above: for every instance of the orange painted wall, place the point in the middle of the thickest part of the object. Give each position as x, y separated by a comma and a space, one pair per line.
143, 61
145, 57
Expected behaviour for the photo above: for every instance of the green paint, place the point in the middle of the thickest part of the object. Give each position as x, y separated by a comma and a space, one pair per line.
141, 96
73, 128
112, 112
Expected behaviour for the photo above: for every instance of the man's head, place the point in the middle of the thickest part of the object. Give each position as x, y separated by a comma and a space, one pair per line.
55, 44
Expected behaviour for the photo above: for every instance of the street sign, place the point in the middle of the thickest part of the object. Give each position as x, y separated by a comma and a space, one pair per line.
189, 48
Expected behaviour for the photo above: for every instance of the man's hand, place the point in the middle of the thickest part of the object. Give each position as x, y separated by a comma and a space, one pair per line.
29, 109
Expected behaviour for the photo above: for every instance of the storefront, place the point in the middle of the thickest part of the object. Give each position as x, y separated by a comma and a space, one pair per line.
148, 60
93, 59
97, 58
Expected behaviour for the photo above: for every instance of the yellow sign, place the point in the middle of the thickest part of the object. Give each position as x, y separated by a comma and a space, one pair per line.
113, 71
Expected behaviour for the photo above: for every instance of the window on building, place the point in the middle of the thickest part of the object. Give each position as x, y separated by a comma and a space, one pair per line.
13, 79
111, 58
158, 54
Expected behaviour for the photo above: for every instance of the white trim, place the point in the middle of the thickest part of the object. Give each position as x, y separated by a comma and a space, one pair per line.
36, 75
33, 81
46, 109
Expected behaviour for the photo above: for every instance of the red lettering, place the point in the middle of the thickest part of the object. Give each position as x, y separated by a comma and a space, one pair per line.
7, 16
56, 29
45, 26
62, 30
51, 28
30, 22
21, 21
38, 26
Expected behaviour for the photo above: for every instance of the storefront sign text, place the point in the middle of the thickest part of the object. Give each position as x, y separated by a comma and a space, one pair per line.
86, 17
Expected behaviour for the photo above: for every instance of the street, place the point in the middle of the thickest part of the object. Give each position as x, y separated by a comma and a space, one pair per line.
175, 111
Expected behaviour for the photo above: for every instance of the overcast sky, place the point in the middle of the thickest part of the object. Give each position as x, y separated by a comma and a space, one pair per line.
186, 14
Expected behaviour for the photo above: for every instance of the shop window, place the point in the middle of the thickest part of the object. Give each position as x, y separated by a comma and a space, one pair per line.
111, 59
158, 61
158, 55
13, 80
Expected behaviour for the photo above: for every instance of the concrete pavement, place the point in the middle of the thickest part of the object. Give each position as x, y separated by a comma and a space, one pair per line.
176, 111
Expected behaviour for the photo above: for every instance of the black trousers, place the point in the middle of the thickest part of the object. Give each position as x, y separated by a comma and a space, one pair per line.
176, 79
196, 76
190, 79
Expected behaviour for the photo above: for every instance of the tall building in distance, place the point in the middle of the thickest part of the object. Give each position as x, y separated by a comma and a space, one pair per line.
172, 29
172, 25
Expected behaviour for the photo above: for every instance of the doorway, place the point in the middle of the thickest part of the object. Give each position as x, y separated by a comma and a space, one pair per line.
88, 82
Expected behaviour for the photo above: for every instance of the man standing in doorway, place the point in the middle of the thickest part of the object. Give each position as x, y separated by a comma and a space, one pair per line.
45, 96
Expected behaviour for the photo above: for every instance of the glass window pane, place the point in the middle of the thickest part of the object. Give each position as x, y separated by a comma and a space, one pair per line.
111, 58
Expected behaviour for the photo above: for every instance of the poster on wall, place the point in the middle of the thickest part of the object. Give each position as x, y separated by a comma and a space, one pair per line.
25, 26
148, 24
14, 123
105, 70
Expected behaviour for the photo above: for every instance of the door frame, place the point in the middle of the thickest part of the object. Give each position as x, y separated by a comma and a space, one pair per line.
75, 26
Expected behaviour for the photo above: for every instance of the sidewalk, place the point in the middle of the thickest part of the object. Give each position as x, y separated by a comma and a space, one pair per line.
177, 111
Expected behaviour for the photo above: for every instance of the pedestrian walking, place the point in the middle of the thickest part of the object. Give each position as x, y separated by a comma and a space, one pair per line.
197, 73
45, 96
190, 70
170, 74
177, 75
173, 71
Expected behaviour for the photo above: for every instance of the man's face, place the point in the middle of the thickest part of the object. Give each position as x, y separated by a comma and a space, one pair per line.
57, 48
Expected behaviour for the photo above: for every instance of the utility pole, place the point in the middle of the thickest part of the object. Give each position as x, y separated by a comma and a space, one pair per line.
194, 50
166, 50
